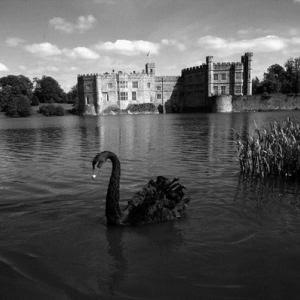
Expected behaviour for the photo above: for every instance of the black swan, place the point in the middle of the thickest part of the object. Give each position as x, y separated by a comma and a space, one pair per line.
158, 201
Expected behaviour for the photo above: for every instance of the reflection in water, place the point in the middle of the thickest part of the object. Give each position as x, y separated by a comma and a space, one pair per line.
267, 191
239, 238
119, 264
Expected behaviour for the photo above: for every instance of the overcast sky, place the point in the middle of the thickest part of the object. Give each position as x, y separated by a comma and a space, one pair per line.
63, 38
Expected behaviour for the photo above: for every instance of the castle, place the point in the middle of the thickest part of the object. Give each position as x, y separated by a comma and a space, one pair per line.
190, 91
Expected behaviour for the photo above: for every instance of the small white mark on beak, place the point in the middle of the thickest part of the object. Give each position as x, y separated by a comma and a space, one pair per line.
94, 176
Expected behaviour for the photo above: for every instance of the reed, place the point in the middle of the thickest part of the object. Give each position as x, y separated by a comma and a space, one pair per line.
273, 152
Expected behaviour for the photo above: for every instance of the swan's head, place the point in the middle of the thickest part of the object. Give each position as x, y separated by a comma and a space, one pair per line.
98, 161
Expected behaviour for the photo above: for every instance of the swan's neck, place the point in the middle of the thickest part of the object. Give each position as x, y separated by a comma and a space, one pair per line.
112, 210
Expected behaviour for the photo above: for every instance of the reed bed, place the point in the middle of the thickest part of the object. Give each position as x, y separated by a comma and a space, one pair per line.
273, 152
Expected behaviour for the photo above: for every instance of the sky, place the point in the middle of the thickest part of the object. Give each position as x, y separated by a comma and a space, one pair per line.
64, 38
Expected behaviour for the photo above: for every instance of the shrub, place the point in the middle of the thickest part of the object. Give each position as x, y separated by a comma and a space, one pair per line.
51, 110
59, 111
265, 96
35, 101
18, 106
274, 152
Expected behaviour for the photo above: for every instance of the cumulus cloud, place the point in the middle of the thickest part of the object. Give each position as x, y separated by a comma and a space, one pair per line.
3, 68
130, 48
269, 43
83, 24
43, 49
50, 50
81, 52
175, 43
14, 41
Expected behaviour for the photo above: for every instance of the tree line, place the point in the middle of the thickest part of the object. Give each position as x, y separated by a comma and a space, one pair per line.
279, 79
18, 94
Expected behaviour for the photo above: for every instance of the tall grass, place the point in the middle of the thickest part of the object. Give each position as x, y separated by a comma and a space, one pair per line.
273, 152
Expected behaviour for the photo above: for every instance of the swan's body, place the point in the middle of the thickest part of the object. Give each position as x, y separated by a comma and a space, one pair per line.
156, 202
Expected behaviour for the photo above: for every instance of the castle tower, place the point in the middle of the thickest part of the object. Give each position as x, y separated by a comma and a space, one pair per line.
150, 68
210, 76
247, 62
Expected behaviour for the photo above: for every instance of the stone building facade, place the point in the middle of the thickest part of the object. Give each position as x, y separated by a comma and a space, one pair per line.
191, 90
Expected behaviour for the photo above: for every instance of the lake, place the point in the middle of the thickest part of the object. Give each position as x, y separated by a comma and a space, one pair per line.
239, 238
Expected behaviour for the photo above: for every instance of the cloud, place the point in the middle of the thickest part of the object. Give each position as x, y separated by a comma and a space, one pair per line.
80, 52
253, 31
83, 24
130, 48
269, 43
296, 1
14, 41
50, 50
180, 46
3, 68
43, 49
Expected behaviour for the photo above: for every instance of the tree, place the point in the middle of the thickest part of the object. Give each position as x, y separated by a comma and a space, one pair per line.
257, 87
274, 79
18, 106
19, 85
292, 75
13, 86
48, 90
73, 94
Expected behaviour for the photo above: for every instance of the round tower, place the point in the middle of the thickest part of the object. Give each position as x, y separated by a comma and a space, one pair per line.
248, 72
210, 77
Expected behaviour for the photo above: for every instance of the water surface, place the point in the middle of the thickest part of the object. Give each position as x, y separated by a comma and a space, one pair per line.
238, 240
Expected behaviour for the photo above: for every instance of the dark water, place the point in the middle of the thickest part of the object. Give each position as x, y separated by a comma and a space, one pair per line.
239, 239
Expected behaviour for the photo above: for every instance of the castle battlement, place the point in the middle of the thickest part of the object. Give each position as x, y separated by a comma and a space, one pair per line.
192, 89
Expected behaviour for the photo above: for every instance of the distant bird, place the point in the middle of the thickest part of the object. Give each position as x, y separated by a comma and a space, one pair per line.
158, 201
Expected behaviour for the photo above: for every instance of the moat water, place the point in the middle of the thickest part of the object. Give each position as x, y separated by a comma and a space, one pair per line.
238, 240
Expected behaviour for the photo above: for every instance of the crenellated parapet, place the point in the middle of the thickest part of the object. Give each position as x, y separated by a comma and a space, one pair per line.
195, 86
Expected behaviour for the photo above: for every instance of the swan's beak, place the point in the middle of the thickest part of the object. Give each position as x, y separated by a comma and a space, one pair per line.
95, 173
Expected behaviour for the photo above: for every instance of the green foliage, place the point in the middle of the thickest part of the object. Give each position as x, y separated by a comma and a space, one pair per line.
73, 95
51, 110
274, 152
35, 101
11, 87
17, 85
18, 106
280, 80
48, 90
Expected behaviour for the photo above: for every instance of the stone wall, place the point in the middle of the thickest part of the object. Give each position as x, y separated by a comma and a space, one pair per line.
265, 102
221, 103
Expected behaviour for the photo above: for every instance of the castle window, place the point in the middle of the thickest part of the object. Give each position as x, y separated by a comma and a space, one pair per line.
158, 88
110, 85
123, 96
135, 84
133, 97
88, 86
216, 76
223, 76
158, 96
89, 99
238, 89
223, 90
148, 84
238, 75
216, 90
123, 84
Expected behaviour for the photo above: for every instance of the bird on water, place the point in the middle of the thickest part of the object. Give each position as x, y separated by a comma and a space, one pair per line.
157, 201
